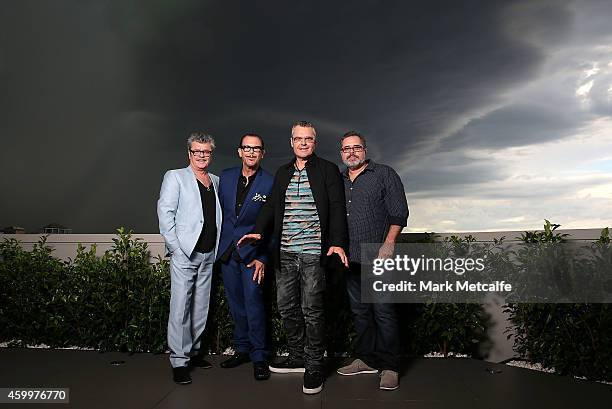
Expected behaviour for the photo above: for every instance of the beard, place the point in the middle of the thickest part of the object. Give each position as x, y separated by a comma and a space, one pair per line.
353, 162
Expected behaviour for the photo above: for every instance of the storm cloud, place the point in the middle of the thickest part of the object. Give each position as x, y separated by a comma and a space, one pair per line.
99, 97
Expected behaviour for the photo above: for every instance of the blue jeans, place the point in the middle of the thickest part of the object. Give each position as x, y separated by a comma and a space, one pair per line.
300, 290
376, 325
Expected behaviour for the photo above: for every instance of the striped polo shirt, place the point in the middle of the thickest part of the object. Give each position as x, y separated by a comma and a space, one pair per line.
301, 226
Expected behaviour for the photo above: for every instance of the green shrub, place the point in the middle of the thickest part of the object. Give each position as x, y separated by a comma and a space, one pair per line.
572, 339
120, 301
447, 327
115, 302
31, 303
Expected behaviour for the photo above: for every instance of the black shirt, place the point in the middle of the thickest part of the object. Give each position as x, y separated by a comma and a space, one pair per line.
244, 184
242, 189
208, 237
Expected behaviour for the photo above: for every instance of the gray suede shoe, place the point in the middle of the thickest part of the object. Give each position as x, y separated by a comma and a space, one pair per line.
355, 368
389, 380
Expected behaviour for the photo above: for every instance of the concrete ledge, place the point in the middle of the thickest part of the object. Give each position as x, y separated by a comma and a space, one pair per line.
65, 245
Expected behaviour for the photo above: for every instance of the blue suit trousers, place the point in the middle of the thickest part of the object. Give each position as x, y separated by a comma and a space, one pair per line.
245, 299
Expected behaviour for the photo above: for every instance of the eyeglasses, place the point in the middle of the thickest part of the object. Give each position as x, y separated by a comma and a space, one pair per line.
249, 149
299, 139
200, 153
356, 149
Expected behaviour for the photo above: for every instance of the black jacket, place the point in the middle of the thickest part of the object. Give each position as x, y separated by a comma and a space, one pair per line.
328, 192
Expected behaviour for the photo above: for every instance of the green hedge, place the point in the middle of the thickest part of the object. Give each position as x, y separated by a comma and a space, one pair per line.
119, 301
572, 339
115, 302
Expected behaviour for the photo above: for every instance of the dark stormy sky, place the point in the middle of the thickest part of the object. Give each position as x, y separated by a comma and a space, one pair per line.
496, 114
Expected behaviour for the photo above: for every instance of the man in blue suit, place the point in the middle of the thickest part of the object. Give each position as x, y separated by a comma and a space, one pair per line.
242, 192
189, 215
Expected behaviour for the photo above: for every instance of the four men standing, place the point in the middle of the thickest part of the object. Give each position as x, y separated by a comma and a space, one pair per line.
301, 217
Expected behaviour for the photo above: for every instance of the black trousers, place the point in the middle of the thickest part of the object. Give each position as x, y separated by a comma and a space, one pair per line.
300, 291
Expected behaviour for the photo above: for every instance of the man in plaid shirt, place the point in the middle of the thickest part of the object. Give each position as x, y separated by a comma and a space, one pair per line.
376, 211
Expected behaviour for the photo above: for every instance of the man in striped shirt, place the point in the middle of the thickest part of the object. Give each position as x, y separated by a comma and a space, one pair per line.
306, 217
301, 226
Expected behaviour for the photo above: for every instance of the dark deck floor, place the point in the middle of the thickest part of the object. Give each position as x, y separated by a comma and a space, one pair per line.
144, 381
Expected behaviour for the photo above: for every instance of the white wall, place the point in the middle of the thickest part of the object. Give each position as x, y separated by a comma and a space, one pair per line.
65, 245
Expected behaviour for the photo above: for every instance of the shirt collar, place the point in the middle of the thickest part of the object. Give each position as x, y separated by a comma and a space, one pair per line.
371, 167
257, 172
311, 162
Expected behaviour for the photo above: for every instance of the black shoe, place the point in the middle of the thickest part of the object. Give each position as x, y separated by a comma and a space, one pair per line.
261, 372
288, 365
235, 360
200, 362
313, 382
180, 375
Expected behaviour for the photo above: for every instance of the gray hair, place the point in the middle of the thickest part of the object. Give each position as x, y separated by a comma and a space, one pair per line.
304, 124
200, 137
354, 133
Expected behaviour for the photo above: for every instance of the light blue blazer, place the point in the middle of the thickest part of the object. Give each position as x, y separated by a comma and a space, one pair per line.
179, 210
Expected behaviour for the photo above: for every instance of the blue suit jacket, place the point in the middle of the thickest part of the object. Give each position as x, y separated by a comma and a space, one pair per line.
235, 227
179, 210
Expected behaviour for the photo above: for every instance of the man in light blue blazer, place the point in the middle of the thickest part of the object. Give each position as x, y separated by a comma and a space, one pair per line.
242, 191
190, 218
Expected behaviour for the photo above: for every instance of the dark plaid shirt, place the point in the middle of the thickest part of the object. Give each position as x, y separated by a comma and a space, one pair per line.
374, 201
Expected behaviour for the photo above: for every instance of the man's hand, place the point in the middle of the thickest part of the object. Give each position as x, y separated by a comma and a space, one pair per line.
340, 252
258, 274
248, 239
386, 250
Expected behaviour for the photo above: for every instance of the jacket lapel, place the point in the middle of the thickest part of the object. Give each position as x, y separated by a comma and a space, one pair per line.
316, 182
218, 214
231, 192
196, 189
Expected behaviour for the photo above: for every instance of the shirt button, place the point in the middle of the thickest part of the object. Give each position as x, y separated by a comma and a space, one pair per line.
349, 201
348, 214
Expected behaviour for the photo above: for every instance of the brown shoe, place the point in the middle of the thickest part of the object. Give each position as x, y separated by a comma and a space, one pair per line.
389, 380
355, 368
